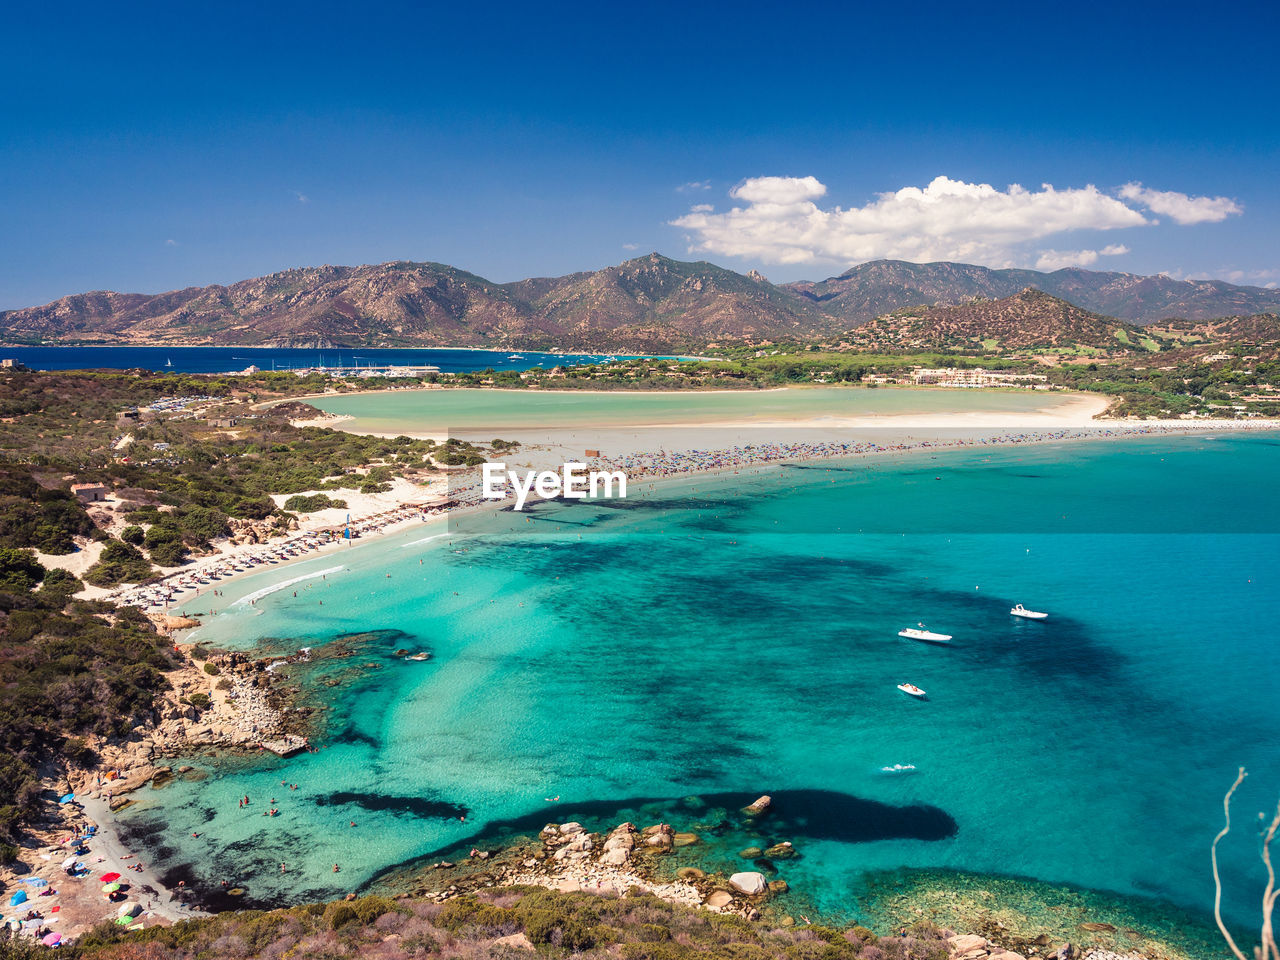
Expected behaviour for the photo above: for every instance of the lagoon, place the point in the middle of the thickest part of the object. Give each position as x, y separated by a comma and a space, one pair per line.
433, 411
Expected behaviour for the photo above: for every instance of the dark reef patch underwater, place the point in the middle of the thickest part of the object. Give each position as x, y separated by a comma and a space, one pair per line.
722, 824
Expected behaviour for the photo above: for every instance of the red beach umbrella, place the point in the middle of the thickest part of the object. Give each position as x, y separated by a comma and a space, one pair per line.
110, 877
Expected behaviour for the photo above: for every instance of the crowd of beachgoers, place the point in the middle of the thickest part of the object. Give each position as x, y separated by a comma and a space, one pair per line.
190, 580
466, 489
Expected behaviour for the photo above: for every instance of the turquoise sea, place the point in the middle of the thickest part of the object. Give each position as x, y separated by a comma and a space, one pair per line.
724, 637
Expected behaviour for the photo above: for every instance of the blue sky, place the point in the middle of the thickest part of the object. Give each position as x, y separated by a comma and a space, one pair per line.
147, 147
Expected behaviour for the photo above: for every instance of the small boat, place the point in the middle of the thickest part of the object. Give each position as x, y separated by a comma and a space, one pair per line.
899, 768
1021, 611
419, 656
912, 690
927, 636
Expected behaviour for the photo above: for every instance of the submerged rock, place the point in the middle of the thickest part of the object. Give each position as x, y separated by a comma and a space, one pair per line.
759, 806
750, 853
781, 851
685, 839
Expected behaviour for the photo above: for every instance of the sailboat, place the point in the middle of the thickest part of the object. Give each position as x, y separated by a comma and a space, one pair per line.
168, 362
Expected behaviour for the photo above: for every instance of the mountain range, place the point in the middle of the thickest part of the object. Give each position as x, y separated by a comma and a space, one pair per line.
648, 304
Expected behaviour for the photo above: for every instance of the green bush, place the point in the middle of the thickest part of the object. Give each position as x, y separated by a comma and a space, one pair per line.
78, 751
320, 501
369, 909
199, 700
119, 563
60, 586
337, 915
170, 554
199, 525
20, 571
211, 669
133, 534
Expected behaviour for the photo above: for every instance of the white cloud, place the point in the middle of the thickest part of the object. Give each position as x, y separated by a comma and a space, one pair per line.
631, 246
1057, 259
302, 197
701, 208
1256, 278
171, 242
946, 220
1181, 208
783, 191
694, 185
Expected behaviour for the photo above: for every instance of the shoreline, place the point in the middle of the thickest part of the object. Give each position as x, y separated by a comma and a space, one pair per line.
1033, 917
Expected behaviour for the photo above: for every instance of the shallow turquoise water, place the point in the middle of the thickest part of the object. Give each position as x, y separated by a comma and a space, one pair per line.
731, 635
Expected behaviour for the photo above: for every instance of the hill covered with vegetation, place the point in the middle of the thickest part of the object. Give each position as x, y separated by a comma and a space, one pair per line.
651, 304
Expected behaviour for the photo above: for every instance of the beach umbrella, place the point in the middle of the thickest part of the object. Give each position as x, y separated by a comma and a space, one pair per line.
51, 939
124, 921
129, 910
17, 898
68, 863
67, 798
110, 887
109, 877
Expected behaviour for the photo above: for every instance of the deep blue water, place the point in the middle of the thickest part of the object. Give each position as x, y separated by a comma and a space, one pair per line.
722, 637
231, 359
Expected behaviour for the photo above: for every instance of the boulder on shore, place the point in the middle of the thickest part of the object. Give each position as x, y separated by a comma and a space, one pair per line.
752, 884
966, 942
618, 845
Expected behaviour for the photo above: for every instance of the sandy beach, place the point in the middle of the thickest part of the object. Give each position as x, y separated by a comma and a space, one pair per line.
72, 905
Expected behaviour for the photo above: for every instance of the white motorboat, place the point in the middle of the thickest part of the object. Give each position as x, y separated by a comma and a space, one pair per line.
912, 690
1021, 611
899, 768
928, 636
